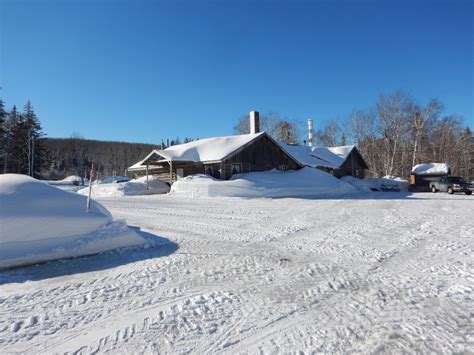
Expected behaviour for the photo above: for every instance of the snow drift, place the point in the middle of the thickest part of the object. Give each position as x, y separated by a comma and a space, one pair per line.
71, 183
306, 182
39, 222
130, 188
360, 184
114, 179
378, 183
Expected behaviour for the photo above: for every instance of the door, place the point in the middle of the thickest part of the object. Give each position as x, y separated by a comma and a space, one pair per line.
179, 174
443, 184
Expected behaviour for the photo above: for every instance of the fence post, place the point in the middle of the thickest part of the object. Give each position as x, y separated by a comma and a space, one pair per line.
91, 176
147, 176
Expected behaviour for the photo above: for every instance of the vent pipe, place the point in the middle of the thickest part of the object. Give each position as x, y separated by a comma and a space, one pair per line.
310, 132
254, 122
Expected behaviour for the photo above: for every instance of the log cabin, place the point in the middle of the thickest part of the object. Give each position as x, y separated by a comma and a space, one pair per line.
220, 157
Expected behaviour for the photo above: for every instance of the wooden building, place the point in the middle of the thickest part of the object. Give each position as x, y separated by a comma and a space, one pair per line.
422, 174
220, 157
338, 161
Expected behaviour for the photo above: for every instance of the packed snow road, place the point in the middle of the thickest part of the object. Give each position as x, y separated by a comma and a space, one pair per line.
390, 274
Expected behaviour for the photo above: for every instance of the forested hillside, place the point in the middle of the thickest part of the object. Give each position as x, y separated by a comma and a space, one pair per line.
74, 156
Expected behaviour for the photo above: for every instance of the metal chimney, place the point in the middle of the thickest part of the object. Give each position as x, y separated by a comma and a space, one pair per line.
310, 133
254, 122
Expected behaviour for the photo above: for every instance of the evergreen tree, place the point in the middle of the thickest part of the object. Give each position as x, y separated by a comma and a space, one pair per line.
343, 139
32, 133
13, 138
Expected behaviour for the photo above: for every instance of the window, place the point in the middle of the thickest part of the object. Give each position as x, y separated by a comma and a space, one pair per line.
283, 167
236, 168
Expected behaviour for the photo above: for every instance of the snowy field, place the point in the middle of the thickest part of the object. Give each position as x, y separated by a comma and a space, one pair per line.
379, 273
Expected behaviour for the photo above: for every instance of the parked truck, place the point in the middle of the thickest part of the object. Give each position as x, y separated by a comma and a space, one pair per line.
452, 184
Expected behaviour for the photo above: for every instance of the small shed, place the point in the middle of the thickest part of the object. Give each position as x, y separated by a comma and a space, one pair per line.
422, 174
220, 157
339, 161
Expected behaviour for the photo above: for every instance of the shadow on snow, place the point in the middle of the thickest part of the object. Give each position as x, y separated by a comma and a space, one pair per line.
157, 247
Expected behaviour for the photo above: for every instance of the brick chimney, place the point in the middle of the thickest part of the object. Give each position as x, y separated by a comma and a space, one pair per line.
254, 122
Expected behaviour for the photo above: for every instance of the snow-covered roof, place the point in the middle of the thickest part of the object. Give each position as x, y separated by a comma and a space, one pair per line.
431, 168
203, 150
329, 157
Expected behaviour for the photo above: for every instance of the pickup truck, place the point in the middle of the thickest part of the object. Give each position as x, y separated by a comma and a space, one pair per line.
452, 184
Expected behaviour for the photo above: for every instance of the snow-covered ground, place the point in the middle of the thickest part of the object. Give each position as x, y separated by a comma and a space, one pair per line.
386, 273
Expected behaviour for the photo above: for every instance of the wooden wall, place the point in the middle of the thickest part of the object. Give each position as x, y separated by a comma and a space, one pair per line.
353, 166
262, 155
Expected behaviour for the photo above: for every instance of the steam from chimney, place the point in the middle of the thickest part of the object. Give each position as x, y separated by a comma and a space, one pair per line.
310, 132
254, 122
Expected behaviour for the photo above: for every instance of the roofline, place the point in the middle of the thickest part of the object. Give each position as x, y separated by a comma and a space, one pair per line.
239, 149
285, 151
260, 136
360, 155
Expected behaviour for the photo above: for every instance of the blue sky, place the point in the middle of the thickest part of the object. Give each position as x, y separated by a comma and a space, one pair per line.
145, 70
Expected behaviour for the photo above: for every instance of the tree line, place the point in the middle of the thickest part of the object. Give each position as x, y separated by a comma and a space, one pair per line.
74, 156
393, 135
398, 133
21, 149
24, 149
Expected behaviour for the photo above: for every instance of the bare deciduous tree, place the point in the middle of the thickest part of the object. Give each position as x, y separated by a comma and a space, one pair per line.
279, 128
399, 133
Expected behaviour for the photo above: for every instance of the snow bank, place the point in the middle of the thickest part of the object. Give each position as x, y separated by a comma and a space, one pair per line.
379, 183
114, 179
73, 179
431, 168
270, 184
39, 222
130, 188
359, 184
71, 183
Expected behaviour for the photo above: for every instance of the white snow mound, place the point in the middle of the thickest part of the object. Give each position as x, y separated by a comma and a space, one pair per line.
130, 188
359, 184
388, 180
115, 179
39, 222
72, 179
306, 182
431, 168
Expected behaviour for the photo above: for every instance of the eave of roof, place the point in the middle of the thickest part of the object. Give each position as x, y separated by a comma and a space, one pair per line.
240, 142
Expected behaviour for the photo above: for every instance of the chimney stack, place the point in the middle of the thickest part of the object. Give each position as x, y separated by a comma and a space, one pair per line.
310, 132
254, 122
